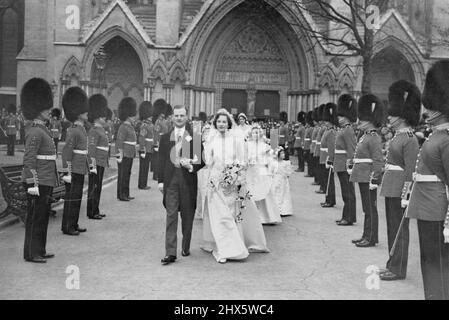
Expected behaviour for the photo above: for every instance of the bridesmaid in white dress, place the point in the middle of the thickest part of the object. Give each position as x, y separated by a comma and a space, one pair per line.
224, 235
260, 179
281, 184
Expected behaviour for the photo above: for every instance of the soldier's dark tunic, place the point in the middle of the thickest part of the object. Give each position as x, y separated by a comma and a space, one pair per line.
327, 149
345, 143
368, 165
299, 146
307, 146
429, 205
40, 158
98, 150
11, 127
74, 154
320, 168
146, 143
127, 142
400, 165
312, 152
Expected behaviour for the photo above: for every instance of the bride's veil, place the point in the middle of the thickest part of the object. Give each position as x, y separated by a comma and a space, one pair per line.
213, 130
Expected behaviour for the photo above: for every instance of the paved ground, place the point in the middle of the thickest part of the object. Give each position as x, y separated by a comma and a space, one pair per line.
119, 258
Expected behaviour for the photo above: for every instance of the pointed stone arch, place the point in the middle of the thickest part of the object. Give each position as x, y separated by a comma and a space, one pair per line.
327, 78
159, 70
178, 72
346, 79
72, 69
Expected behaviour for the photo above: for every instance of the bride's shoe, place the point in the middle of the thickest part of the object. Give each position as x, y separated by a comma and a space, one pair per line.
222, 261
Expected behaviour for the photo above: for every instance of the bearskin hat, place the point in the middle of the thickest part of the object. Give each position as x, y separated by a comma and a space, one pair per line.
145, 110
56, 113
283, 116
436, 89
159, 107
75, 103
320, 112
301, 118
315, 116
127, 108
168, 110
371, 109
98, 107
109, 114
309, 118
12, 108
330, 113
405, 101
35, 97
347, 107
202, 116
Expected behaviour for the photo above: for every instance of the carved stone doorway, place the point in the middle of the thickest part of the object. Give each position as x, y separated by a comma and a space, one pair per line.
235, 101
268, 104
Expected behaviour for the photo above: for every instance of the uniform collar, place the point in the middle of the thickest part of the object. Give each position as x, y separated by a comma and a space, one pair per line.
404, 130
97, 125
78, 123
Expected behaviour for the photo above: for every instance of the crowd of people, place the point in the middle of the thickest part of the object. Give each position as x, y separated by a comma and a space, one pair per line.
234, 174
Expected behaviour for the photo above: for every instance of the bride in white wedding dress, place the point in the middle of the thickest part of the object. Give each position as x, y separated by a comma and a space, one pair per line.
230, 230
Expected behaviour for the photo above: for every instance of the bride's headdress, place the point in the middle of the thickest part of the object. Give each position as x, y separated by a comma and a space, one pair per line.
228, 114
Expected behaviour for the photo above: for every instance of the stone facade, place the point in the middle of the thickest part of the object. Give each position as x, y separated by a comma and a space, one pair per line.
212, 53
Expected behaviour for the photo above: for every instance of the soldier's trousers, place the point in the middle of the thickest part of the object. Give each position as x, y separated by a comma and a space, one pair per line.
36, 224
369, 205
11, 145
72, 203
394, 212
329, 176
434, 260
56, 141
124, 176
94, 193
348, 195
155, 165
144, 168
308, 160
316, 169
300, 152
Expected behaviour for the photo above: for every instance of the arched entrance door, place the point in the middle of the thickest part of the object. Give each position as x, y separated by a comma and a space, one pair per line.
389, 66
123, 73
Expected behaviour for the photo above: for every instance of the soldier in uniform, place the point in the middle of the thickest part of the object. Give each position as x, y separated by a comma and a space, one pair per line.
299, 140
39, 168
146, 143
159, 110
11, 128
327, 153
284, 136
316, 129
345, 144
368, 166
126, 146
320, 168
56, 126
403, 114
429, 197
109, 128
75, 159
307, 144
98, 148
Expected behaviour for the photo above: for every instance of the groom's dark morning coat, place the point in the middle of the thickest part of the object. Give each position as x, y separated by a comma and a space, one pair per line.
167, 168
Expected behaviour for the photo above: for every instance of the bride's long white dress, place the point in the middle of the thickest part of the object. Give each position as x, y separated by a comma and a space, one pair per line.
222, 235
281, 187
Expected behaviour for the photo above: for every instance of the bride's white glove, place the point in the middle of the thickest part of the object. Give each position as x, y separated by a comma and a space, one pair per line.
33, 191
446, 235
161, 187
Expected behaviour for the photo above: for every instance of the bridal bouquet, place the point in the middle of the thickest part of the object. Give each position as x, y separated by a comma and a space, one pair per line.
232, 177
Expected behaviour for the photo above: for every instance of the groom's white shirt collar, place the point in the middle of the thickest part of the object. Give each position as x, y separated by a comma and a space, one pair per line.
180, 132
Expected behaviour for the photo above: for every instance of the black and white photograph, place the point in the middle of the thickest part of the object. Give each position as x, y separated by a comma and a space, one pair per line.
239, 152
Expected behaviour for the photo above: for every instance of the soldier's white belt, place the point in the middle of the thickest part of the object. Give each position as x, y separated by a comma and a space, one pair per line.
131, 143
56, 130
308, 139
149, 140
426, 178
324, 149
49, 158
298, 138
356, 161
313, 141
390, 167
318, 143
81, 152
281, 136
11, 126
103, 148
340, 152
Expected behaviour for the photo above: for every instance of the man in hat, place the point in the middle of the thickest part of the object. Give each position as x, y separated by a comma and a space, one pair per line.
308, 142
55, 126
146, 143
75, 159
98, 148
284, 135
320, 169
11, 124
39, 168
327, 152
300, 140
368, 165
403, 114
429, 197
345, 143
126, 147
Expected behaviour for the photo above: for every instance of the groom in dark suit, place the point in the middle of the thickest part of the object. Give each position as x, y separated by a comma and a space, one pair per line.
180, 158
